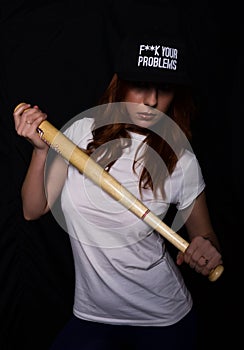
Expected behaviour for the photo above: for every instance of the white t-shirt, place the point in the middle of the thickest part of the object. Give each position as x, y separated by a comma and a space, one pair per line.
124, 274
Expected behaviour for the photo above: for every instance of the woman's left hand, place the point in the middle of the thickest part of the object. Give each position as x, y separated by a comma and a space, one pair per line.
201, 255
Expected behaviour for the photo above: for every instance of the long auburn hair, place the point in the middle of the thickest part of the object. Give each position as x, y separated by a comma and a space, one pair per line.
111, 134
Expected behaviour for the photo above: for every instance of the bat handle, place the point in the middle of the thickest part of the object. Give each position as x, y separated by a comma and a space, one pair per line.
214, 273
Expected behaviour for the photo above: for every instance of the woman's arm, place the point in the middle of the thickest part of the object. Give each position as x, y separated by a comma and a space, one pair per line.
36, 197
203, 253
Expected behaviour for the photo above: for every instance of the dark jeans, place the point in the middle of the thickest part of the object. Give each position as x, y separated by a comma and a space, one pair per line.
85, 335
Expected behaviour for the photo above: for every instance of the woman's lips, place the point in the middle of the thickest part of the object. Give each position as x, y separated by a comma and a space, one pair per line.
146, 116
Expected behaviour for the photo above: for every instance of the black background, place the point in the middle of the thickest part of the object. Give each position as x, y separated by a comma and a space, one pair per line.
59, 55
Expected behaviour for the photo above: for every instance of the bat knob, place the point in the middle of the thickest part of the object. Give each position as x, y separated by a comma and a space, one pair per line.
216, 273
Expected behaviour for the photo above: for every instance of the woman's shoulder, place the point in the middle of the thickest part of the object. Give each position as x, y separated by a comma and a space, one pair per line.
79, 129
78, 122
187, 156
188, 165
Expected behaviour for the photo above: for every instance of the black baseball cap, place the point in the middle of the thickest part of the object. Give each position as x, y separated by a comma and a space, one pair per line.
152, 58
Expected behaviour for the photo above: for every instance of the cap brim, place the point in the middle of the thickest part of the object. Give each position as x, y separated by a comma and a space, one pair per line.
154, 77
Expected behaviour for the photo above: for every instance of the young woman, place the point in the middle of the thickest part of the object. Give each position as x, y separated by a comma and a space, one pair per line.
128, 289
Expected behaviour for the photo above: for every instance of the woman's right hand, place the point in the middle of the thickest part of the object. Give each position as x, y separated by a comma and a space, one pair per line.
27, 119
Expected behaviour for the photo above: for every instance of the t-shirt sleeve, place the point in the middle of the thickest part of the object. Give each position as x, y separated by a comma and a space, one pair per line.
79, 131
192, 182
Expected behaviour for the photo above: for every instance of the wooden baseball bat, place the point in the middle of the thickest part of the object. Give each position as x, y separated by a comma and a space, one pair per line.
85, 164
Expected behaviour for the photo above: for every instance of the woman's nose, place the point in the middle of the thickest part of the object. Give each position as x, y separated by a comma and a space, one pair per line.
151, 97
